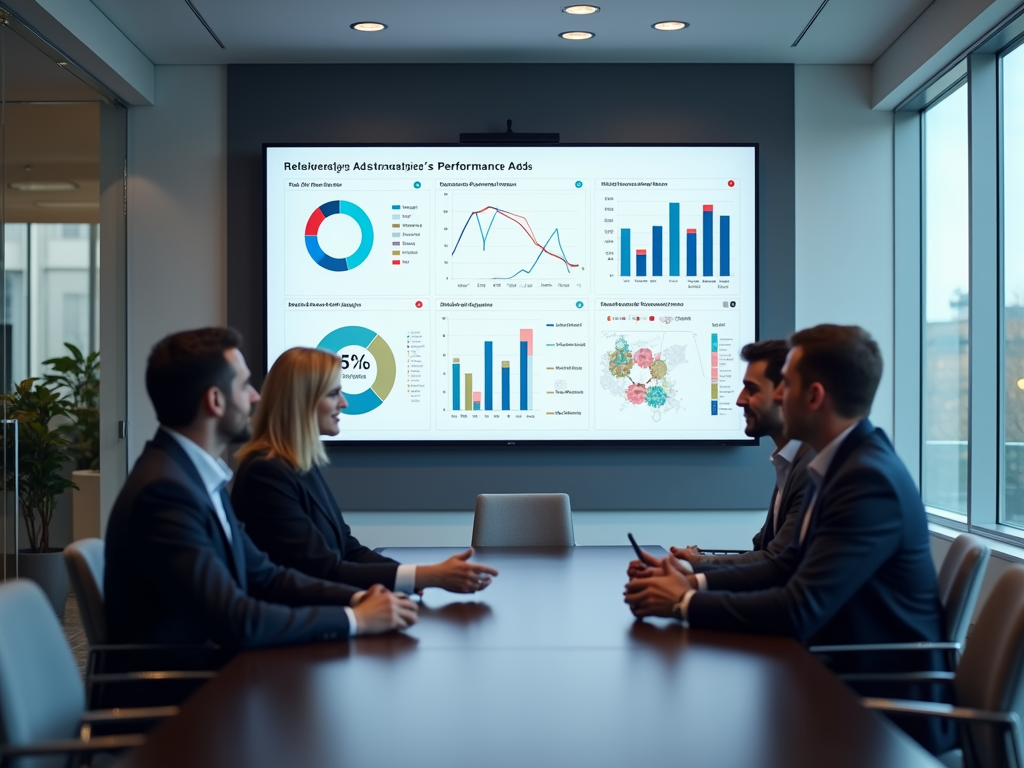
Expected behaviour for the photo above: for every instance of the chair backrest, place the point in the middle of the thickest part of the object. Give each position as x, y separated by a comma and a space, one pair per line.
85, 560
959, 578
41, 694
523, 520
991, 672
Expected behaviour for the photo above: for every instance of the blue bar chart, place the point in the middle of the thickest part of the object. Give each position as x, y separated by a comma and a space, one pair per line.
465, 398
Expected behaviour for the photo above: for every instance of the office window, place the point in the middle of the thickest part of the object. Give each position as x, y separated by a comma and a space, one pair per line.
945, 239
1011, 130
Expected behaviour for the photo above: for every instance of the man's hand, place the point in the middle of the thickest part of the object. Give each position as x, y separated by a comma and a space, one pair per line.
456, 574
656, 595
690, 554
648, 567
381, 610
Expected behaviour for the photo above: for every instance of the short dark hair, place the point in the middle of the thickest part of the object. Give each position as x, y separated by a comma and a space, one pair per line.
183, 366
845, 360
774, 351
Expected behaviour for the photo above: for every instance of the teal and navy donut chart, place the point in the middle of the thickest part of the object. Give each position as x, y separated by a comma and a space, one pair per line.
357, 336
334, 263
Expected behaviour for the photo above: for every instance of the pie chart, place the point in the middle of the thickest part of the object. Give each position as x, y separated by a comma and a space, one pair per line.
384, 361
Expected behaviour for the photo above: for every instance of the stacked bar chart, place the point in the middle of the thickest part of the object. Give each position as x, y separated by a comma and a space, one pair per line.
636, 261
714, 374
465, 398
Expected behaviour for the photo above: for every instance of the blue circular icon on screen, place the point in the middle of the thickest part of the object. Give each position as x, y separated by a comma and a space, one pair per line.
416, 185
579, 184
579, 305
357, 214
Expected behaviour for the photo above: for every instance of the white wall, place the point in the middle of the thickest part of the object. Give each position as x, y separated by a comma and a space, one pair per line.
844, 203
176, 232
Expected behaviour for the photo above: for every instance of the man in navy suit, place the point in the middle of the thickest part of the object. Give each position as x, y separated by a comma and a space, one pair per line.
859, 569
180, 569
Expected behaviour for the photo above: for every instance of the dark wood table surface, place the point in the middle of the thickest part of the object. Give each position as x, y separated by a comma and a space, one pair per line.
546, 667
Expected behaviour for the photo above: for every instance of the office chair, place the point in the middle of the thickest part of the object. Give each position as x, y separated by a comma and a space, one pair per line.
189, 666
42, 700
959, 581
523, 520
988, 685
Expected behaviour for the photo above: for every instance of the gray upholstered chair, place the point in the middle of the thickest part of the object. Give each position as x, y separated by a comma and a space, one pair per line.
988, 685
42, 700
523, 520
85, 561
959, 581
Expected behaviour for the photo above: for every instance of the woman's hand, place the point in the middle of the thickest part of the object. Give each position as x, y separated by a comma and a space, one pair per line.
456, 574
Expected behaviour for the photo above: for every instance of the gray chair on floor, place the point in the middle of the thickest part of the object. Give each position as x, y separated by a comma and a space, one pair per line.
85, 560
959, 580
42, 700
523, 520
988, 685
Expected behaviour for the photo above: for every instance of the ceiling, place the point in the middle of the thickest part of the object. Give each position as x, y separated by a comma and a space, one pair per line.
301, 31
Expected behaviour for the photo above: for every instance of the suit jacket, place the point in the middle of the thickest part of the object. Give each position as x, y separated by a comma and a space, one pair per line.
771, 540
863, 574
293, 517
172, 576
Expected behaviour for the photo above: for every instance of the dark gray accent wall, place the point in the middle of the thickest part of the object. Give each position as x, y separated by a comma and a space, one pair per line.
586, 103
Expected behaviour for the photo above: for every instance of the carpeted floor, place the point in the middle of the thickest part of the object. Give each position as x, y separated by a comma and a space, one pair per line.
75, 633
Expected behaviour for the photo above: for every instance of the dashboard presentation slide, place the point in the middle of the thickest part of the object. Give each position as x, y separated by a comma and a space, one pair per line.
578, 293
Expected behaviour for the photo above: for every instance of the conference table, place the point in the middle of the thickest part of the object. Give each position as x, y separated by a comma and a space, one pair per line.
546, 667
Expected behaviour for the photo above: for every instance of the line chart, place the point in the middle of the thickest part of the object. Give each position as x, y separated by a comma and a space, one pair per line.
552, 246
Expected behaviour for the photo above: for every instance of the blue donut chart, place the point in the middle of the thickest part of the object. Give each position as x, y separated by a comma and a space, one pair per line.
334, 263
357, 336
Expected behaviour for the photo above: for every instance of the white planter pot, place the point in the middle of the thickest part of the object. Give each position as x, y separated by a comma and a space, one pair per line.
85, 504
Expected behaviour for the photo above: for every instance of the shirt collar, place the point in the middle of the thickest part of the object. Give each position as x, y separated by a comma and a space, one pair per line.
819, 465
212, 470
787, 452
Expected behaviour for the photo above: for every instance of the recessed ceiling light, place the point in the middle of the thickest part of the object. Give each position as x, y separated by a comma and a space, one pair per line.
670, 26
575, 35
43, 186
368, 26
580, 10
68, 205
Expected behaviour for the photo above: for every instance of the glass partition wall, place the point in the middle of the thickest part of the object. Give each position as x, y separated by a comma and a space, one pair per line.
50, 145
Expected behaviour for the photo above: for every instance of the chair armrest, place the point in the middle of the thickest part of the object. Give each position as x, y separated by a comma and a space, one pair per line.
99, 744
949, 711
899, 677
868, 647
126, 715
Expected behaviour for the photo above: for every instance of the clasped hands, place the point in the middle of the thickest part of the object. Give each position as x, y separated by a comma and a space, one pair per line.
656, 585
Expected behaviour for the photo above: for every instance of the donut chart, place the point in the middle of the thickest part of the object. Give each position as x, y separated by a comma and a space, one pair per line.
334, 263
357, 336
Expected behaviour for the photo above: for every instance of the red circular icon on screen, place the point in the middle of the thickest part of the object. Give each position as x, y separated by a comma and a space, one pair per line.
732, 183
652, 318
419, 305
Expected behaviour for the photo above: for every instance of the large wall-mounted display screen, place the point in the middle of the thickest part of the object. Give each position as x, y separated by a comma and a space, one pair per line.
545, 293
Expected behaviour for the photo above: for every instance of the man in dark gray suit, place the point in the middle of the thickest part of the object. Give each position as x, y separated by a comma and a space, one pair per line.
180, 569
859, 569
764, 419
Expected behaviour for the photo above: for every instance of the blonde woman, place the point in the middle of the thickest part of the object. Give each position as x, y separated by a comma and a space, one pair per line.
285, 503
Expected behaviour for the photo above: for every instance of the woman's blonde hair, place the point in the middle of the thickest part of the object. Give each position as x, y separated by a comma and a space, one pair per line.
285, 425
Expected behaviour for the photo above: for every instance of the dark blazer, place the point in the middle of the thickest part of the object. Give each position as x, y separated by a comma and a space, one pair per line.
771, 540
863, 574
293, 517
173, 577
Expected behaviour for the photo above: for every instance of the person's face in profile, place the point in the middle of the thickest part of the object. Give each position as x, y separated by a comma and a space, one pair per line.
236, 423
757, 399
328, 410
792, 396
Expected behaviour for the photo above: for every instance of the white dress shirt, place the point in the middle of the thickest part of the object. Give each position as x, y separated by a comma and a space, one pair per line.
216, 475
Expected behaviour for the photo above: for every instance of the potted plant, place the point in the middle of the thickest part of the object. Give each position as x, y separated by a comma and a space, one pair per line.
43, 415
78, 376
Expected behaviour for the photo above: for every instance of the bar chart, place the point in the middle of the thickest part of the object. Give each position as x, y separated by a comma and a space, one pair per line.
684, 236
519, 369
